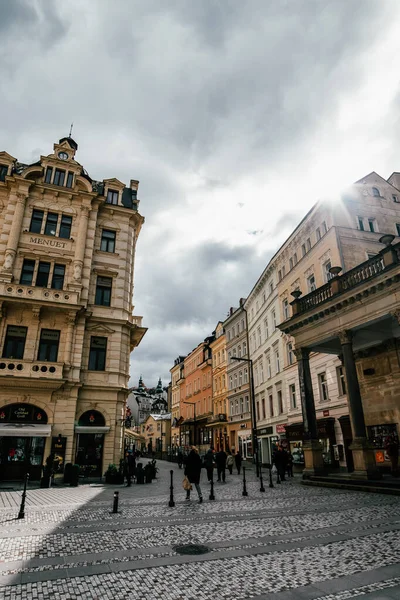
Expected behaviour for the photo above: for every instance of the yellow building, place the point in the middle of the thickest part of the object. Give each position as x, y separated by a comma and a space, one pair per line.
156, 431
67, 250
218, 422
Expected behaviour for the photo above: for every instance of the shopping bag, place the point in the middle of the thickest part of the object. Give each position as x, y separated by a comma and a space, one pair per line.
186, 484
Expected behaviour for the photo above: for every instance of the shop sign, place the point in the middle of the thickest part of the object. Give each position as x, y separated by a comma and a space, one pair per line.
58, 446
325, 413
266, 431
22, 413
281, 428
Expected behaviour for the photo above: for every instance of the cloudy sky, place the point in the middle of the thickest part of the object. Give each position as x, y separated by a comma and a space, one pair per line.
236, 116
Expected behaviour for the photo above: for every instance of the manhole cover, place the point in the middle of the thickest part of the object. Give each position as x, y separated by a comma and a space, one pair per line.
192, 549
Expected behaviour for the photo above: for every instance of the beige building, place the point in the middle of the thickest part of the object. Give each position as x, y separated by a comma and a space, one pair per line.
340, 233
177, 377
156, 431
67, 328
218, 421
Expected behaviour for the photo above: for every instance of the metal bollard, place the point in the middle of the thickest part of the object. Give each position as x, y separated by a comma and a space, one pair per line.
244, 493
211, 496
171, 502
115, 504
21, 514
262, 488
271, 485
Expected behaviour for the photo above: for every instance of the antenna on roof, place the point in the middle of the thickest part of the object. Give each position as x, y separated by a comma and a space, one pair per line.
70, 131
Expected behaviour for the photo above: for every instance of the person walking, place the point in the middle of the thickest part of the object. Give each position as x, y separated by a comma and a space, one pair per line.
238, 461
193, 472
180, 459
129, 467
279, 460
230, 462
209, 462
220, 459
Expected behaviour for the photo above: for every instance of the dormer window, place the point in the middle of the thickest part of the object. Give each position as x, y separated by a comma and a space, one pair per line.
59, 177
3, 172
112, 197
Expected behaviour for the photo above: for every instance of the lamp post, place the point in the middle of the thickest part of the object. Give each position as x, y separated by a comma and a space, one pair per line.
194, 419
253, 410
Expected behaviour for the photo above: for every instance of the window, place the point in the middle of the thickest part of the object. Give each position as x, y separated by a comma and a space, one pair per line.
266, 328
269, 370
325, 267
292, 395
3, 172
247, 403
48, 345
271, 287
59, 177
376, 192
285, 307
65, 227
360, 221
277, 361
261, 370
49, 173
112, 197
372, 225
244, 348
398, 229
57, 282
230, 382
103, 291
341, 381
70, 179
290, 353
14, 344
42, 276
318, 233
395, 198
97, 355
264, 414
273, 314
239, 353
279, 275
28, 267
303, 249
258, 411
271, 405
51, 224
311, 283
290, 263
36, 221
241, 406
240, 378
246, 375
259, 336
107, 241
323, 387
283, 271
324, 227
280, 402
295, 258
308, 244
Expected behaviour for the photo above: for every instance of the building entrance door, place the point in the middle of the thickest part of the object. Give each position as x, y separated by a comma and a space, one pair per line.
89, 453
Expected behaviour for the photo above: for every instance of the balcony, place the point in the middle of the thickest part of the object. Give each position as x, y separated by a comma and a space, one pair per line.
220, 418
240, 417
38, 294
10, 367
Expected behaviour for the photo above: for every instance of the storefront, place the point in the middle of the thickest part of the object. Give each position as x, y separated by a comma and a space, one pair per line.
265, 435
23, 433
326, 437
378, 436
245, 445
90, 431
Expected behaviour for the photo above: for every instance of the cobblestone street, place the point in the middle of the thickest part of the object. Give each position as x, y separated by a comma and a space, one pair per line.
291, 542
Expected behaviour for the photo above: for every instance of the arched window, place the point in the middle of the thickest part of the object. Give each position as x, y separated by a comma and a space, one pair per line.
376, 192
92, 417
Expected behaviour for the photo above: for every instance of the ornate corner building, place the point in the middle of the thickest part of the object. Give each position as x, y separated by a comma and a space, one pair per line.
67, 329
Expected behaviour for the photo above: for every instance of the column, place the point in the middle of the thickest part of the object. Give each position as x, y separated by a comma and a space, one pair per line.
70, 322
81, 243
363, 454
15, 231
314, 464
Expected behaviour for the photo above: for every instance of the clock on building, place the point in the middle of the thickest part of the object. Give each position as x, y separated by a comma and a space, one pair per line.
63, 155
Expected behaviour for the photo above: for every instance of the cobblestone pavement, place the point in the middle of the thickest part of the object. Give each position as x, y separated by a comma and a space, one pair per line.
290, 543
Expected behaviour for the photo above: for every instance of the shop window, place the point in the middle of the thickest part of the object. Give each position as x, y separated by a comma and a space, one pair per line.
97, 355
292, 395
36, 221
107, 241
323, 387
28, 267
103, 291
51, 224
112, 197
42, 276
341, 381
65, 227
379, 435
14, 344
59, 177
57, 282
48, 345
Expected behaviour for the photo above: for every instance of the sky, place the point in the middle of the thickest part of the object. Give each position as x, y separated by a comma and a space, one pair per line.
235, 116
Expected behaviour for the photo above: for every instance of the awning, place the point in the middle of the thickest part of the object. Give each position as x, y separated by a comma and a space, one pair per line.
90, 429
134, 435
24, 430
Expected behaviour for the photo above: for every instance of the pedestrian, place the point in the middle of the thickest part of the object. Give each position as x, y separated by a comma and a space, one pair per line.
238, 461
193, 471
229, 462
209, 462
289, 464
180, 459
220, 460
392, 450
129, 467
279, 460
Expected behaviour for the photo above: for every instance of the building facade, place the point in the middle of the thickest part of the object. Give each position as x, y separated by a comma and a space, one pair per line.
218, 422
67, 328
177, 378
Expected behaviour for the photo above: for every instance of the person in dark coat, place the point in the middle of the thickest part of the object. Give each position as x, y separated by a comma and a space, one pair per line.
180, 459
209, 462
129, 467
280, 461
193, 471
220, 459
238, 461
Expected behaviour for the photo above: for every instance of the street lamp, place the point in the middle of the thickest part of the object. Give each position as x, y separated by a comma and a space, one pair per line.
253, 410
194, 419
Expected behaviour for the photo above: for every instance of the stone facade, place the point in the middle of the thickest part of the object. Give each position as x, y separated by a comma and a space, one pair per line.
67, 328
218, 421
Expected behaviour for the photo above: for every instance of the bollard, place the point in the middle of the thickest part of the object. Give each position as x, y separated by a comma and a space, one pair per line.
271, 485
211, 496
171, 502
21, 514
244, 493
262, 488
115, 504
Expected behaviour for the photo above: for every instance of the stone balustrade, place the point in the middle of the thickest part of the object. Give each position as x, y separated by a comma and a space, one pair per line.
40, 294
13, 367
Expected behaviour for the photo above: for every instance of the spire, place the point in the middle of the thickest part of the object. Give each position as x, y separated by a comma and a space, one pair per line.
141, 387
159, 388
